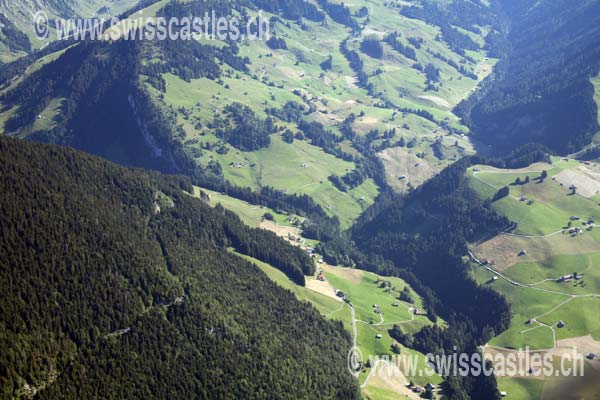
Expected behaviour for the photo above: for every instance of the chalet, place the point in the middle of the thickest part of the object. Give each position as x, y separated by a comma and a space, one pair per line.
591, 356
575, 231
574, 217
495, 278
378, 336
565, 278
395, 304
529, 321
429, 386
503, 394
339, 294
561, 324
321, 277
320, 261
523, 253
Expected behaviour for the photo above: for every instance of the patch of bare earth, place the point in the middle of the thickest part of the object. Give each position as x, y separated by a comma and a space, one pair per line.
438, 101
285, 232
292, 73
391, 378
322, 287
533, 168
483, 70
351, 82
349, 274
583, 344
365, 124
403, 168
586, 181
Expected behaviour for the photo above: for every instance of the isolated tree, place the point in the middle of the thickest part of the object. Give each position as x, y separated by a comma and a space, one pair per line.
288, 136
544, 175
268, 216
327, 64
428, 394
502, 193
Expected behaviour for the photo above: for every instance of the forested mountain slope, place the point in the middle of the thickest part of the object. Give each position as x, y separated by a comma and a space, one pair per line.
541, 90
118, 284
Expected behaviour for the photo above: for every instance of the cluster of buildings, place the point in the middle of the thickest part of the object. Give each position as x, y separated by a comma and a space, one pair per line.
376, 309
567, 278
419, 390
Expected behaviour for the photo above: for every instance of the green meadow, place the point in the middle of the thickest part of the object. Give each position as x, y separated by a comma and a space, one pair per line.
552, 207
251, 214
580, 317
525, 304
521, 388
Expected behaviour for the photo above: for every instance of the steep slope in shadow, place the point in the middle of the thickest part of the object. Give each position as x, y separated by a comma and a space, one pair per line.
541, 90
103, 110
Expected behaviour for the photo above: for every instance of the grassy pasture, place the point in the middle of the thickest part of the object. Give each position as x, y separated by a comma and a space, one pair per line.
525, 304
504, 250
552, 207
580, 316
521, 388
532, 273
364, 292
251, 214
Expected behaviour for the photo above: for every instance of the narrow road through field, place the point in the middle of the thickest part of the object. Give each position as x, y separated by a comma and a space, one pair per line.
570, 296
